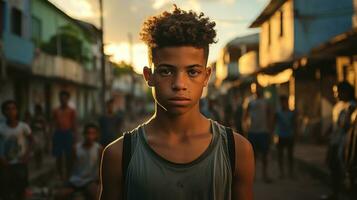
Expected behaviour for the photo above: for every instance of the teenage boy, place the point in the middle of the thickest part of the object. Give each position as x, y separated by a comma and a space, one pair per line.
64, 134
15, 143
178, 154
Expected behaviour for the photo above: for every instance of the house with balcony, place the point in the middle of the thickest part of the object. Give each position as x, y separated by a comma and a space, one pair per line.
66, 57
228, 68
289, 30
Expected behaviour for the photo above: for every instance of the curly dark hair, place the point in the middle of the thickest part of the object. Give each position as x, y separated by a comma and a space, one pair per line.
178, 28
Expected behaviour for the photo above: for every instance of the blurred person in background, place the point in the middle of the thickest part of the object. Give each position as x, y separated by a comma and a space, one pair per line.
258, 119
64, 122
350, 158
15, 148
238, 114
285, 128
344, 92
213, 108
84, 177
228, 111
39, 128
110, 124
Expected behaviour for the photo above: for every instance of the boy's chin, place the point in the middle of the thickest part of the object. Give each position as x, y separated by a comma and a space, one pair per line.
177, 111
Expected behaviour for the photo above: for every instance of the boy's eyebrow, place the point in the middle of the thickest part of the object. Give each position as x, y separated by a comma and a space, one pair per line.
195, 65
172, 66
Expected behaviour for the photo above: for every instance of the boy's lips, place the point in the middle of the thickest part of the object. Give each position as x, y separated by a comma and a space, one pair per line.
179, 101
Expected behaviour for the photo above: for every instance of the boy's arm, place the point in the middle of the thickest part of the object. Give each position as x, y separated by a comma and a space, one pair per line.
242, 183
111, 172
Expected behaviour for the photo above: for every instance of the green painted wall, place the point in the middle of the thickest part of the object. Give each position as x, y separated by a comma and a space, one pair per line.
51, 20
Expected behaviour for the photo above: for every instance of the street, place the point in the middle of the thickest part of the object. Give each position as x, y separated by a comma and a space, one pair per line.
302, 186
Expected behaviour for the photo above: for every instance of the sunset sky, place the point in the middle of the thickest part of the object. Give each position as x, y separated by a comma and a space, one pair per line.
125, 17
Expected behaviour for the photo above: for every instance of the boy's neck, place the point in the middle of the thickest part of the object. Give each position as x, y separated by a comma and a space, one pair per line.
178, 124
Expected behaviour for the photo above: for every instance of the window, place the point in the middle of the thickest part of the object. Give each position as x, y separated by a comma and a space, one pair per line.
281, 23
36, 31
16, 21
2, 17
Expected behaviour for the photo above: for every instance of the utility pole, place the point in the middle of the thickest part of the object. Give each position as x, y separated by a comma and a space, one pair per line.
130, 38
103, 71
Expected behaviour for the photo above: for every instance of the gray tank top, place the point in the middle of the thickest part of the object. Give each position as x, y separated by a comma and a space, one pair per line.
151, 177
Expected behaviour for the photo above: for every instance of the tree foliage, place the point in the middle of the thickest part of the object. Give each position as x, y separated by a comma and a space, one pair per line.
67, 44
122, 68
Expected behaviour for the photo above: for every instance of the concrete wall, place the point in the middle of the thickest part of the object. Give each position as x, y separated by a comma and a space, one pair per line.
248, 63
280, 47
18, 48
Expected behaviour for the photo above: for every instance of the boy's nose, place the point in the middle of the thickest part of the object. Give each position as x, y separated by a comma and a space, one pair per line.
179, 82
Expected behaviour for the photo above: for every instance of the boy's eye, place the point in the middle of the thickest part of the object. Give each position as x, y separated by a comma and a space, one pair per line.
165, 72
193, 72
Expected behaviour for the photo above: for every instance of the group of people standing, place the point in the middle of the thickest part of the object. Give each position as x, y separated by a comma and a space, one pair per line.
256, 119
260, 121
77, 155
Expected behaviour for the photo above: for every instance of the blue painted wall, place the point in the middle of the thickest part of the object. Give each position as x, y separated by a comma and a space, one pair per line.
18, 49
317, 21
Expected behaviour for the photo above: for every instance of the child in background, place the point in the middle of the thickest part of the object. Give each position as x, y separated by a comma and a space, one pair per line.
15, 143
85, 174
39, 129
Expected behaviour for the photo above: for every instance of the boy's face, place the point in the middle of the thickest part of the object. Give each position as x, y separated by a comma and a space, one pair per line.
178, 77
91, 135
11, 111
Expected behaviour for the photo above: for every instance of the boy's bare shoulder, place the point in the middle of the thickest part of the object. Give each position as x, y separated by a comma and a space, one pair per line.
113, 152
241, 142
243, 147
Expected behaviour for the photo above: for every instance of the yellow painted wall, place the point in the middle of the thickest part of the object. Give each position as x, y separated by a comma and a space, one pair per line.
248, 63
281, 47
350, 74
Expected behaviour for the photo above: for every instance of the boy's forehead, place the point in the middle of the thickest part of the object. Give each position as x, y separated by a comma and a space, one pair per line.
179, 54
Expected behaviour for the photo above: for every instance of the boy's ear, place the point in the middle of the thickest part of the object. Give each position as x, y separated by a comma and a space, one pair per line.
148, 76
207, 76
